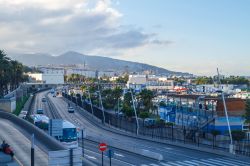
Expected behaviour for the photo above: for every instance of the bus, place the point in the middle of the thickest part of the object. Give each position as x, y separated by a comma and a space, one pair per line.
69, 137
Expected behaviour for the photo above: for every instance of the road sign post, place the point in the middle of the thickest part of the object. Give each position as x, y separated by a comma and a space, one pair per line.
102, 148
32, 150
110, 155
83, 135
102, 158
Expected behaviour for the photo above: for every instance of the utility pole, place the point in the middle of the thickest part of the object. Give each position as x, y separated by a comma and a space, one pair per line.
231, 146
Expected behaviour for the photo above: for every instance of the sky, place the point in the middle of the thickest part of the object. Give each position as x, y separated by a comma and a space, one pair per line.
195, 36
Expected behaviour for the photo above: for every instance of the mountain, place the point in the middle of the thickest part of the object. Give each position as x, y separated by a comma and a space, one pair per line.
92, 62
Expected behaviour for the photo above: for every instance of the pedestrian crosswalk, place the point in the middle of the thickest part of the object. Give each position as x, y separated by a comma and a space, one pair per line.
203, 162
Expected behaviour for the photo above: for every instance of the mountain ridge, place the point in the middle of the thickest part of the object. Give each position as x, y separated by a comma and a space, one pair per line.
92, 62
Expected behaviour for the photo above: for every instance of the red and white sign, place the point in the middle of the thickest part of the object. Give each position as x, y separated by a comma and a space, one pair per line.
102, 147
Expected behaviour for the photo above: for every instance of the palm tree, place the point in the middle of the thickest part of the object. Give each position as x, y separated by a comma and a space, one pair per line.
146, 97
4, 73
11, 74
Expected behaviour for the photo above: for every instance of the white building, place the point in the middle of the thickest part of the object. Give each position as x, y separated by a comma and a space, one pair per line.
48, 76
159, 83
151, 82
211, 88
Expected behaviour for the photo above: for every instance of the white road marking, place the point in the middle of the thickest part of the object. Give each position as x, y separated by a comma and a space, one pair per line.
212, 162
223, 162
168, 148
183, 162
165, 164
234, 161
90, 157
193, 162
118, 154
175, 164
203, 163
154, 164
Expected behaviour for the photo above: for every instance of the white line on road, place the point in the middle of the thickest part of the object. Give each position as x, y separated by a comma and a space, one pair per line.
118, 154
113, 158
90, 157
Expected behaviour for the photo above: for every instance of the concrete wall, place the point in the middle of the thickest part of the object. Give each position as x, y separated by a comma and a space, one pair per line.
53, 78
8, 105
235, 107
48, 78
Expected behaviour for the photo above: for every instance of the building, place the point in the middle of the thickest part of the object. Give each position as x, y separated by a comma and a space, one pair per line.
48, 76
83, 72
151, 82
211, 88
137, 82
159, 83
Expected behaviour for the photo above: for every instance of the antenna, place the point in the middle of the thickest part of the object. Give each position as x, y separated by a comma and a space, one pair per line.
225, 109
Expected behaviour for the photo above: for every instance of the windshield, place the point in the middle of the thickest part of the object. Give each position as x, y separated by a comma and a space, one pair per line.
69, 135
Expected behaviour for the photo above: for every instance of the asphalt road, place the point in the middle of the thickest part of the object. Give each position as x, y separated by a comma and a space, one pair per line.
21, 144
173, 156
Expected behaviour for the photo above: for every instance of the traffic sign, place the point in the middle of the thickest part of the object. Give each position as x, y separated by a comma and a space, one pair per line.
110, 153
102, 147
55, 127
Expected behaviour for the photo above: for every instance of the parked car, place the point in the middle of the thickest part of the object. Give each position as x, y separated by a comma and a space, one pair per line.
149, 122
39, 111
71, 110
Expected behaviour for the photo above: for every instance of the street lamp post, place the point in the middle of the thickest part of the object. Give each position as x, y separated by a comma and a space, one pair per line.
231, 146
91, 106
137, 123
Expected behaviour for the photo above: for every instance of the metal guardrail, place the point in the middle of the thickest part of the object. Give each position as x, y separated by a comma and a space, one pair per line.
46, 140
53, 111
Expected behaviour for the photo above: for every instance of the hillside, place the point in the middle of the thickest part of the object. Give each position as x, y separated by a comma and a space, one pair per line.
92, 62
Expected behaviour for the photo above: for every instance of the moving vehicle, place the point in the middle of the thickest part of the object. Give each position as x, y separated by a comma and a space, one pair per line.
71, 110
23, 114
52, 91
69, 134
43, 99
69, 138
39, 111
41, 121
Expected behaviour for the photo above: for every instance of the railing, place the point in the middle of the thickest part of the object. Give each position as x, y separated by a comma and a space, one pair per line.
177, 134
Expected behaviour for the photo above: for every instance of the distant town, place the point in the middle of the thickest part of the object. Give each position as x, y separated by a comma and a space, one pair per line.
202, 111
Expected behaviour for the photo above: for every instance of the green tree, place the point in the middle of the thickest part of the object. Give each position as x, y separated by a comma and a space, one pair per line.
144, 115
238, 135
127, 108
145, 97
122, 79
215, 133
11, 74
204, 80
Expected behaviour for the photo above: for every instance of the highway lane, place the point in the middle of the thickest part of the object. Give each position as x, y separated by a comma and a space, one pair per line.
92, 152
21, 144
170, 153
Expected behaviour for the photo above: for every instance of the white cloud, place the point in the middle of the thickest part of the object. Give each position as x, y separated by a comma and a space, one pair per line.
56, 26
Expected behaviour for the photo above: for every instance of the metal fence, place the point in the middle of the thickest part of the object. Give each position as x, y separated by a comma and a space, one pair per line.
162, 132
